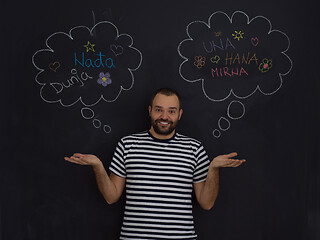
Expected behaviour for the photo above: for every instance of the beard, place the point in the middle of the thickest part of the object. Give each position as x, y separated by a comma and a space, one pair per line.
163, 130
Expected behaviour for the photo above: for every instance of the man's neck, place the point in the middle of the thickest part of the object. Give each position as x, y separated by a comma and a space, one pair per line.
161, 136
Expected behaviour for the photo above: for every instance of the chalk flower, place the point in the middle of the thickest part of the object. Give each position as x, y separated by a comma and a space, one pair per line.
199, 61
104, 79
265, 66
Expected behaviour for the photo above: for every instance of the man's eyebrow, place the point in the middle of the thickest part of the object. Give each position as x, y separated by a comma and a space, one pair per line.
162, 107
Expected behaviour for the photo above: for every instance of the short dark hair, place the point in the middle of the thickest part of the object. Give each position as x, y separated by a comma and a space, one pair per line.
167, 92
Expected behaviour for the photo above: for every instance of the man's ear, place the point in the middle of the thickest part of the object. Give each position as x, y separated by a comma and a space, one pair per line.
149, 110
180, 113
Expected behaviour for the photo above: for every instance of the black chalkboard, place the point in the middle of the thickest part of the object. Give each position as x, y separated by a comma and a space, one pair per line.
78, 76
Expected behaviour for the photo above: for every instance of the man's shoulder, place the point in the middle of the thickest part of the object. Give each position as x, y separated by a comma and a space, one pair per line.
136, 136
187, 139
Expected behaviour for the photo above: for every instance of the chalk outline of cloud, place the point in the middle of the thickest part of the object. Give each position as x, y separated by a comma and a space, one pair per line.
49, 49
231, 91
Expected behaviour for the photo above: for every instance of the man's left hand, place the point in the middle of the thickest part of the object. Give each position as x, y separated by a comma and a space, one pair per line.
226, 161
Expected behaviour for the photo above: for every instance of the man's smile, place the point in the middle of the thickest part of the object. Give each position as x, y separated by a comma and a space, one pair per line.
163, 123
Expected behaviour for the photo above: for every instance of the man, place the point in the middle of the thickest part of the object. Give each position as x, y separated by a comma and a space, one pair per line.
160, 169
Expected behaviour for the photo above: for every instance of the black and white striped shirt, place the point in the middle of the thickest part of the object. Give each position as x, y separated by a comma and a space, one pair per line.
159, 176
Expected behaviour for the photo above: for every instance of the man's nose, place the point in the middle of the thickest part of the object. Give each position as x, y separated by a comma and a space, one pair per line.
164, 115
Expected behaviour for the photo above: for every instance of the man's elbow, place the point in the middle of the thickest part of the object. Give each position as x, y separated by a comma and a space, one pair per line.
207, 206
111, 200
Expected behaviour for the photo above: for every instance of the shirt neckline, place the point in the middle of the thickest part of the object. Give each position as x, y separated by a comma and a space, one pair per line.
161, 140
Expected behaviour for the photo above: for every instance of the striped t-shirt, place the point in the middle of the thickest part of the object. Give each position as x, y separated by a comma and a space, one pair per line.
159, 176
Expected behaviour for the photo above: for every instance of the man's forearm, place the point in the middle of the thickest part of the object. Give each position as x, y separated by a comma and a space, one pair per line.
105, 185
210, 189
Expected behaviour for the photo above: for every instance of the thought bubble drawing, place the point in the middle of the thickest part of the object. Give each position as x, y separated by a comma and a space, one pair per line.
244, 56
86, 65
72, 62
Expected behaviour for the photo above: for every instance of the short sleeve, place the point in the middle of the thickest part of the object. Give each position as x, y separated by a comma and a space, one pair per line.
202, 165
117, 164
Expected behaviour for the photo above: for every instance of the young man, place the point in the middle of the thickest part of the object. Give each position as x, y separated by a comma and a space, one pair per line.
160, 169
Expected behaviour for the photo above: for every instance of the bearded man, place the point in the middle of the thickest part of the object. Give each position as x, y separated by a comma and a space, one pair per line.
160, 169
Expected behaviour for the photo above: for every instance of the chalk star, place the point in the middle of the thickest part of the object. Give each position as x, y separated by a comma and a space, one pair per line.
237, 35
89, 47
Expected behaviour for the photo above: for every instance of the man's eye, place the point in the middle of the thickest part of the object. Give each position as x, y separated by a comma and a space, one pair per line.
172, 112
158, 110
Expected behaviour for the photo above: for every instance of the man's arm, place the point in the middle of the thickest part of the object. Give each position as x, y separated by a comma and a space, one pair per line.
207, 191
111, 187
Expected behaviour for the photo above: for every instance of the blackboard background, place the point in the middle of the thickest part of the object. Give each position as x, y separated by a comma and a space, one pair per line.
274, 196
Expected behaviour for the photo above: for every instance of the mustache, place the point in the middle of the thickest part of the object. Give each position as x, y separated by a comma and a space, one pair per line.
162, 120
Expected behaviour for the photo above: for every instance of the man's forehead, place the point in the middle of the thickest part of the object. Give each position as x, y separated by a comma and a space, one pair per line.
161, 100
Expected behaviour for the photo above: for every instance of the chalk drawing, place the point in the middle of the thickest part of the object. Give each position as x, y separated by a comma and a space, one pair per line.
253, 40
89, 63
89, 114
237, 35
233, 115
86, 66
54, 66
216, 133
244, 59
223, 120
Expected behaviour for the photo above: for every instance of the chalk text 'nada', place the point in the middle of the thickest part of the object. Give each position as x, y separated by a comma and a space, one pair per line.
100, 61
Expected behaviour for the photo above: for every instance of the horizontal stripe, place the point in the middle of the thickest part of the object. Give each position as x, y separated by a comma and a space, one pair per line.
162, 227
174, 221
162, 205
164, 199
155, 172
160, 210
187, 190
157, 193
151, 230
157, 215
152, 166
143, 176
159, 183
148, 236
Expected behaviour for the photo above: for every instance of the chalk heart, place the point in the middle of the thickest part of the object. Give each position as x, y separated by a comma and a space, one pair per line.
215, 59
116, 49
54, 66
255, 41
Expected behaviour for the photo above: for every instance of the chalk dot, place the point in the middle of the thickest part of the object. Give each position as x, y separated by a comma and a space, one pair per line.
265, 65
216, 133
236, 110
224, 124
87, 113
96, 123
106, 129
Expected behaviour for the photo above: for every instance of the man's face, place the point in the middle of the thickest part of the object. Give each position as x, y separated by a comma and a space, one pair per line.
165, 114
